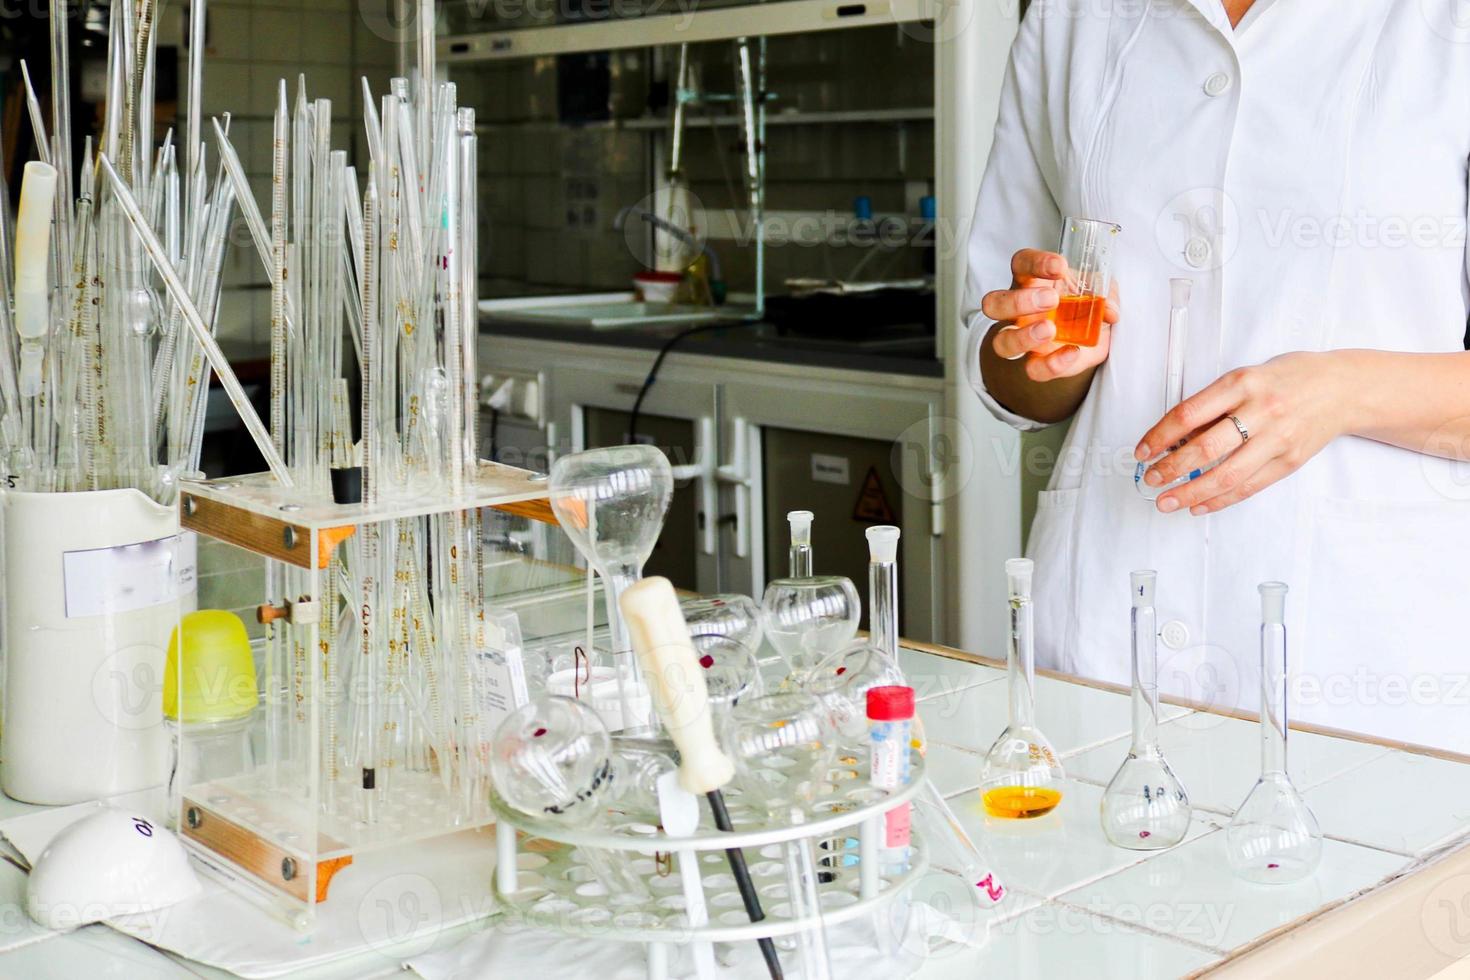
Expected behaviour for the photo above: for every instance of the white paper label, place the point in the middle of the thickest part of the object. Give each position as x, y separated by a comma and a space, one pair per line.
502, 678
109, 581
830, 469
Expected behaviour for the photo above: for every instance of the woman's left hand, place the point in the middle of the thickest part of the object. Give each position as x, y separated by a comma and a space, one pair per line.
1291, 406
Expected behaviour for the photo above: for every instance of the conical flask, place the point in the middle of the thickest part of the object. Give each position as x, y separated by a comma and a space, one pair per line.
1273, 836
1145, 807
1021, 777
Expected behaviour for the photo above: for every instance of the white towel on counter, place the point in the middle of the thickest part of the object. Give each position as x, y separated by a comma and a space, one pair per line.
384, 907
506, 949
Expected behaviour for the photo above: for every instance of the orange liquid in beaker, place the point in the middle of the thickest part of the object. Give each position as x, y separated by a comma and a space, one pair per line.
1020, 802
1079, 320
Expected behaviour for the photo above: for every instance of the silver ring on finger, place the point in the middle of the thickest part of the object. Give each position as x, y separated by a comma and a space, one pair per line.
1016, 357
1245, 434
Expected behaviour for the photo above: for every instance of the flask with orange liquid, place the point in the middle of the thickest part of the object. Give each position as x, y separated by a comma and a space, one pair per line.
1021, 777
1087, 245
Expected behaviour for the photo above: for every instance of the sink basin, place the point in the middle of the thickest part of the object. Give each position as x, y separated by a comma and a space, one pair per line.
603, 314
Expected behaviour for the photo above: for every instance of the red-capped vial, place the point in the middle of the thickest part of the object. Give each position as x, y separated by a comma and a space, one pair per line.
890, 740
891, 703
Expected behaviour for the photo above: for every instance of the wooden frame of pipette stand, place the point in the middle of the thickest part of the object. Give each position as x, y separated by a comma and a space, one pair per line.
274, 828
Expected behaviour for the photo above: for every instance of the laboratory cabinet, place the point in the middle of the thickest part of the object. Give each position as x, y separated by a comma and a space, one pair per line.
750, 439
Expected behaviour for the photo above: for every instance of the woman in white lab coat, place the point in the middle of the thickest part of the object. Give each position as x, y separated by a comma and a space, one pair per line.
1304, 162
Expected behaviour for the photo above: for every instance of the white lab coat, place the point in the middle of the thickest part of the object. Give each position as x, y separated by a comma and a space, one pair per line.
1308, 170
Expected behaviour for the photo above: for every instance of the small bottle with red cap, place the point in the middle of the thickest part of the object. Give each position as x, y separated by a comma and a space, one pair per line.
890, 738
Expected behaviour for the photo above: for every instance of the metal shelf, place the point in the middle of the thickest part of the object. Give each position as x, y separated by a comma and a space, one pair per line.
689, 27
659, 123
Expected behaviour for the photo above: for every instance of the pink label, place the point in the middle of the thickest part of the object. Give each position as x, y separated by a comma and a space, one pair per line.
896, 825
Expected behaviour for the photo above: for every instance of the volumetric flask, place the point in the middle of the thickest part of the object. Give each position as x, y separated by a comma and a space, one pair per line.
1145, 807
1021, 777
1273, 837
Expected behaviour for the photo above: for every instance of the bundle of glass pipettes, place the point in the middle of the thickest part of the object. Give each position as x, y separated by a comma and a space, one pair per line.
104, 362
105, 367
393, 269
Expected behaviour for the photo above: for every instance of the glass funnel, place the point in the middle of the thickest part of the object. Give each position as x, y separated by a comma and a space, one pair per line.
611, 503
1145, 807
1021, 777
842, 681
731, 671
552, 759
1273, 836
806, 619
782, 747
735, 616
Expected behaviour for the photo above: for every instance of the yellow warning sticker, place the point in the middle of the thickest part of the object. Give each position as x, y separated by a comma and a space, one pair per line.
872, 503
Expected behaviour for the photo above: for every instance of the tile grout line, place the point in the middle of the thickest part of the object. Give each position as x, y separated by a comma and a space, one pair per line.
1146, 930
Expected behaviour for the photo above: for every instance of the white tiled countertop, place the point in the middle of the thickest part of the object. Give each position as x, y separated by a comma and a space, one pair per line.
1087, 908
1391, 897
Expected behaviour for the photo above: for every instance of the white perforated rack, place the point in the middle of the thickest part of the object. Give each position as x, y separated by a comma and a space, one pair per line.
542, 879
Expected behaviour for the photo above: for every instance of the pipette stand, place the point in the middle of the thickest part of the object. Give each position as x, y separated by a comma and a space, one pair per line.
541, 879
286, 826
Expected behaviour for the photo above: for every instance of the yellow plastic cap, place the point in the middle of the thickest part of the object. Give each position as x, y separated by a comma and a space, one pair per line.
218, 674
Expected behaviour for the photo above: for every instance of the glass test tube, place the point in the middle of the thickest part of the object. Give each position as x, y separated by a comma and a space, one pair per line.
1179, 293
883, 588
806, 905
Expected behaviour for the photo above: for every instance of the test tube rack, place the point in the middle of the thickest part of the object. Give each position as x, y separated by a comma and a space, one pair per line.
286, 826
542, 881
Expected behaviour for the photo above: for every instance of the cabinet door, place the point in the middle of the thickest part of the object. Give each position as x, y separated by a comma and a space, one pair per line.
675, 556
855, 449
848, 483
585, 393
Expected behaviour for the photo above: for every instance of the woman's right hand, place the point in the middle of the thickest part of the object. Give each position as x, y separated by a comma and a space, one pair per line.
1022, 329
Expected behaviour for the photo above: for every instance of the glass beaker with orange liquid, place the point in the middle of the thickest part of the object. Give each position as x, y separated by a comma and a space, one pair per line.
1021, 777
1087, 245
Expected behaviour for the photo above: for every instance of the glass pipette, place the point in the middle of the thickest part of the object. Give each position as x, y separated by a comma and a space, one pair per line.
468, 148
280, 134
156, 254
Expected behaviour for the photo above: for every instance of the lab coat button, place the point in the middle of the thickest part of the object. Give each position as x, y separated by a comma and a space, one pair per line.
1197, 252
1217, 84
1174, 634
